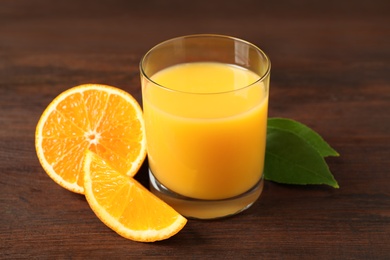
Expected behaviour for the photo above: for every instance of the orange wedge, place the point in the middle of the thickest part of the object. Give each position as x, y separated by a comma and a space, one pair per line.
126, 206
100, 118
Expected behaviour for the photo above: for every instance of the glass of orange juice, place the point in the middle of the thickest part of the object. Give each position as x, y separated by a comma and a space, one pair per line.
205, 101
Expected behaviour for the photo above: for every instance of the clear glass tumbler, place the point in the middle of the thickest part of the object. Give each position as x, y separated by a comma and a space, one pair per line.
205, 101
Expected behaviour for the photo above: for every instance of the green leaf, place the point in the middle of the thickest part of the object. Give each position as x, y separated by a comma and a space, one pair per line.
303, 132
290, 159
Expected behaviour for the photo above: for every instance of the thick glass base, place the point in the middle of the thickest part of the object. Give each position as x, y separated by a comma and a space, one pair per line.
206, 209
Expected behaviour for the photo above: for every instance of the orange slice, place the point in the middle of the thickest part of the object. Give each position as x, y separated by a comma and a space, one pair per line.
126, 206
101, 118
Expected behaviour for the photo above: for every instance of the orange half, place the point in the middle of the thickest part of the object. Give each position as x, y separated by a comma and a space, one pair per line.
103, 119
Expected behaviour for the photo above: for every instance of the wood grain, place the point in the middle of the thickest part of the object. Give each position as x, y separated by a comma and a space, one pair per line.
330, 70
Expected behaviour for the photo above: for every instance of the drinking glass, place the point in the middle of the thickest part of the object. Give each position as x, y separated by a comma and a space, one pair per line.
205, 101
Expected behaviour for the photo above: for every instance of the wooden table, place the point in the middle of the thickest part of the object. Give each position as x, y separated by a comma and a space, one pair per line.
330, 70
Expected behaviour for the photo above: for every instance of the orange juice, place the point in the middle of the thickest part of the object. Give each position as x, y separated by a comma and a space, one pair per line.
206, 129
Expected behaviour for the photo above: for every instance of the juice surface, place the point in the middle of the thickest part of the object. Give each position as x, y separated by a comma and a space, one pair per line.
206, 140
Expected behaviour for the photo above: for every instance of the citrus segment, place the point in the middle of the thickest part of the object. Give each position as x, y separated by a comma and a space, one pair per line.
126, 206
101, 118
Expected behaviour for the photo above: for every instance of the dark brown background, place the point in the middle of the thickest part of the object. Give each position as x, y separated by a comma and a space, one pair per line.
330, 71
